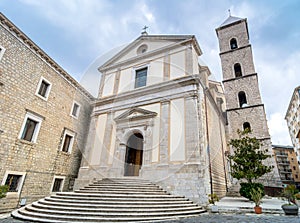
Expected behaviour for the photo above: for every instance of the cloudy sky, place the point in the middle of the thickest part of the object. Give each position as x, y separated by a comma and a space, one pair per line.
77, 32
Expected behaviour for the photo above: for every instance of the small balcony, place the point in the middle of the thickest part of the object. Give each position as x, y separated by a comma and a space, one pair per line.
285, 170
281, 154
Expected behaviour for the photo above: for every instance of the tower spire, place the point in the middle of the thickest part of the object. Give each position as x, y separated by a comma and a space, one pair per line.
229, 13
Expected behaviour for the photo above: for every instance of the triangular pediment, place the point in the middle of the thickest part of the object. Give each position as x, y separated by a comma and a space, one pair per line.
147, 45
135, 113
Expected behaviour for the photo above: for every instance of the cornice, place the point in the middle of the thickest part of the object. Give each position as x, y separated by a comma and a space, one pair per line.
239, 78
249, 106
166, 90
237, 49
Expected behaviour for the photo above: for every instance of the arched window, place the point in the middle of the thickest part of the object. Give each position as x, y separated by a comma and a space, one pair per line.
242, 99
233, 43
237, 70
246, 125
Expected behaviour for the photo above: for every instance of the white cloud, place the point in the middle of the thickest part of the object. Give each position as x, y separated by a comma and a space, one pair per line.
278, 129
98, 26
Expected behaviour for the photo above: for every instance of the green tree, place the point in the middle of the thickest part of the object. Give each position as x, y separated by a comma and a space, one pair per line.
247, 159
3, 190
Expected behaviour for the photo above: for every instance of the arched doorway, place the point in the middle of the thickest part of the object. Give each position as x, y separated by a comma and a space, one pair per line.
134, 155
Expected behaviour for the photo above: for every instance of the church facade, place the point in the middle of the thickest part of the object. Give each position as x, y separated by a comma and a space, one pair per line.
157, 116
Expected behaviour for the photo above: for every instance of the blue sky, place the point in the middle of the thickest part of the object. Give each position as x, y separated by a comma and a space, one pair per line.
76, 32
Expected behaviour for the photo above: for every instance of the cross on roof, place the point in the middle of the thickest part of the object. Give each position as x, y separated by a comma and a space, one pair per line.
145, 28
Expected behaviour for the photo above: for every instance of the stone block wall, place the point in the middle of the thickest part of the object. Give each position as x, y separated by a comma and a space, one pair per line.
22, 66
254, 115
249, 85
228, 59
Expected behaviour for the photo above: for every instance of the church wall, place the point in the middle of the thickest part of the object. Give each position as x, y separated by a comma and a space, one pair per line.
177, 131
155, 134
98, 146
126, 80
177, 64
108, 84
155, 72
217, 147
195, 62
37, 162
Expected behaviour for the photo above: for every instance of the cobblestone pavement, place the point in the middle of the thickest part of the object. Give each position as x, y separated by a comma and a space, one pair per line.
217, 218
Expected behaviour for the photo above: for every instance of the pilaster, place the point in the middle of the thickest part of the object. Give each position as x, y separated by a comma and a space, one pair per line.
164, 132
191, 124
107, 140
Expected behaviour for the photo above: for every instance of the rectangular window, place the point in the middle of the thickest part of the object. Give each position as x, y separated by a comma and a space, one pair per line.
75, 110
67, 141
57, 184
13, 182
30, 128
43, 89
141, 77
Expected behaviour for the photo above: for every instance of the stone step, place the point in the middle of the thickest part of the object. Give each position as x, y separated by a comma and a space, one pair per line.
125, 179
116, 187
38, 217
96, 194
124, 182
120, 201
120, 205
124, 185
130, 192
110, 200
112, 209
112, 215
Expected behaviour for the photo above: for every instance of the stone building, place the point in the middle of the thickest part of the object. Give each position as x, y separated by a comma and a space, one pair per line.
244, 107
287, 164
157, 116
44, 117
292, 118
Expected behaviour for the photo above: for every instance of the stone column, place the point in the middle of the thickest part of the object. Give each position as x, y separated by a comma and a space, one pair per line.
147, 150
164, 132
122, 150
191, 126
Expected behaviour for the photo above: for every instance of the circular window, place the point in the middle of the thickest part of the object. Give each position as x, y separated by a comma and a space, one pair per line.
142, 49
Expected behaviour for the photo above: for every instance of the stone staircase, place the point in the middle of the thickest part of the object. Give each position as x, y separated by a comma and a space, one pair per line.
110, 200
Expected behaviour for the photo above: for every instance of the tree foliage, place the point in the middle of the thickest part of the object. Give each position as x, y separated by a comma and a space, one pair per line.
248, 157
3, 191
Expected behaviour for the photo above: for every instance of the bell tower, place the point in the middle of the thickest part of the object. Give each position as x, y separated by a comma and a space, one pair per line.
243, 101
